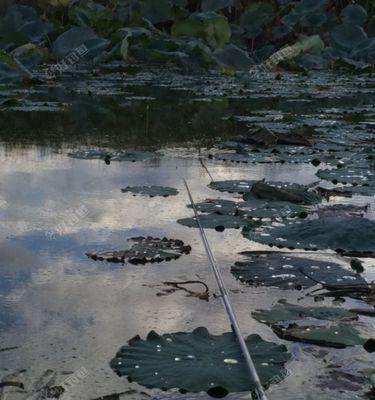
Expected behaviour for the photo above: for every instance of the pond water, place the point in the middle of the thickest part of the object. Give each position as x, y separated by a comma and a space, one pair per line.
63, 311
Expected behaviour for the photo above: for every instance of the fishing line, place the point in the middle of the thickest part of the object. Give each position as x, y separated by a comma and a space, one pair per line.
258, 392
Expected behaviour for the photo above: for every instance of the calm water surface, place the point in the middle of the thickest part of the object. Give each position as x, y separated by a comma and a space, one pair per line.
64, 311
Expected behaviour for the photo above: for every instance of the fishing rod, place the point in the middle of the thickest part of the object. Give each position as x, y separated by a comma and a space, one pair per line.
258, 393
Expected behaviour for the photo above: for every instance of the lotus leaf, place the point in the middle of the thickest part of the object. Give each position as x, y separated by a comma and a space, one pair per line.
322, 334
144, 250
198, 361
284, 311
352, 234
210, 26
290, 272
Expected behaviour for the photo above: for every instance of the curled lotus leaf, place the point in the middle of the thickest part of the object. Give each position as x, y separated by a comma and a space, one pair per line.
198, 361
218, 206
284, 311
232, 186
354, 14
289, 272
145, 250
322, 333
342, 234
151, 191
276, 191
348, 36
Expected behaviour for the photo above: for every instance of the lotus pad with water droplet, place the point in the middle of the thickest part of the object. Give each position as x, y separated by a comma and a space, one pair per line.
289, 272
198, 361
284, 311
144, 250
232, 186
219, 221
337, 233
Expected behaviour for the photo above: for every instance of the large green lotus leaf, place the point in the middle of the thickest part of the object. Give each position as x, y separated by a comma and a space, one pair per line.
28, 54
354, 14
336, 233
75, 37
255, 16
151, 191
365, 51
348, 36
198, 361
145, 250
289, 272
157, 11
215, 5
322, 334
284, 311
278, 191
232, 56
210, 26
309, 6
21, 24
314, 20
9, 71
232, 186
218, 222
112, 156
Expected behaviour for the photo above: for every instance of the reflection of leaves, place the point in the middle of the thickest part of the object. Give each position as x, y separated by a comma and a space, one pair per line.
173, 287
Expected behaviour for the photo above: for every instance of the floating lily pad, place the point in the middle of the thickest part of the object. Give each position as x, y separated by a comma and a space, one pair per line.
151, 191
247, 158
232, 186
289, 272
145, 250
283, 192
342, 210
253, 208
336, 233
284, 311
349, 175
323, 334
112, 156
198, 361
217, 206
218, 222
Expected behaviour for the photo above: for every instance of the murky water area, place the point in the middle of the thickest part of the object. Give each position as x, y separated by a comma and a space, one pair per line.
63, 311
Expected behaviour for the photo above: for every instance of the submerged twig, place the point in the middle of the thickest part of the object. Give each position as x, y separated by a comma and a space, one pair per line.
206, 169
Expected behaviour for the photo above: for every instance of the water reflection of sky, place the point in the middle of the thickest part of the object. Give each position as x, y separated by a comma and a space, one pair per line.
65, 310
